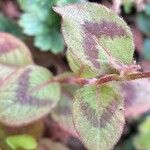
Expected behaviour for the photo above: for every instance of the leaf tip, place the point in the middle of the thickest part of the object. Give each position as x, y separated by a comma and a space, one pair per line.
56, 9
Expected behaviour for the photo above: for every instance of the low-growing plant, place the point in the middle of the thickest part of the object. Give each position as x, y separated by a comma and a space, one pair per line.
100, 54
39, 20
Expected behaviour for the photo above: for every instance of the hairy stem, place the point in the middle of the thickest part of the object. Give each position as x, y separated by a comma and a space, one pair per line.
94, 81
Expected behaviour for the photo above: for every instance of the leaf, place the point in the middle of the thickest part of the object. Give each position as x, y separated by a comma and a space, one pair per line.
35, 130
128, 5
22, 141
40, 21
26, 96
33, 26
146, 49
64, 2
141, 141
62, 113
95, 36
125, 145
52, 39
137, 100
147, 9
13, 52
144, 23
8, 25
47, 144
98, 116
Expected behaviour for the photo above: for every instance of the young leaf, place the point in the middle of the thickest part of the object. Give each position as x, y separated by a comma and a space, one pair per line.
22, 141
96, 38
25, 96
137, 100
98, 116
13, 52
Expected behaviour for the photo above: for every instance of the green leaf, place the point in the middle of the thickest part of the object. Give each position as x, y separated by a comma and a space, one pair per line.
128, 5
25, 94
53, 40
26, 142
64, 2
8, 25
146, 49
125, 145
96, 37
147, 9
98, 116
40, 21
141, 141
13, 52
25, 4
32, 25
143, 22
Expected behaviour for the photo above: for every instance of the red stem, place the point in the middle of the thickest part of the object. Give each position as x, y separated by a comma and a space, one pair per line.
95, 81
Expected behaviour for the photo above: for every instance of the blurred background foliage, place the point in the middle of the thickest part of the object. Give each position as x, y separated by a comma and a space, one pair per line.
35, 22
39, 20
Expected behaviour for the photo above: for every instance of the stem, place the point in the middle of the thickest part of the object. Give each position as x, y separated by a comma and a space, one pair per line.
94, 81
138, 75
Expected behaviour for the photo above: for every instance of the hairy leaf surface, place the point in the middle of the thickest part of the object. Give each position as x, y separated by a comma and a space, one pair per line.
25, 97
98, 116
13, 52
96, 38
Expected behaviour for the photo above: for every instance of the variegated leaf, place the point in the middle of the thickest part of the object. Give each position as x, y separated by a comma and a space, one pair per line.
13, 52
97, 39
24, 95
98, 116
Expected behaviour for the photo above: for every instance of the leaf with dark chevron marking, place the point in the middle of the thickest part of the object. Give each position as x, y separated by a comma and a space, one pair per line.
13, 52
95, 37
98, 115
25, 95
